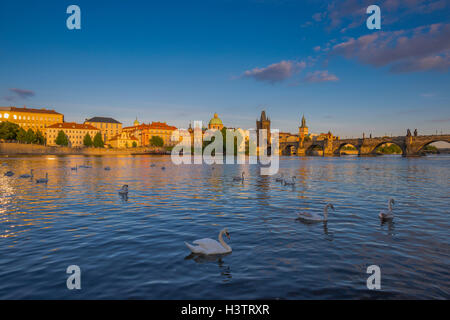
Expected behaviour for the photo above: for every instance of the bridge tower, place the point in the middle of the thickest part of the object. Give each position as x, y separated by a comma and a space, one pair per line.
302, 132
263, 123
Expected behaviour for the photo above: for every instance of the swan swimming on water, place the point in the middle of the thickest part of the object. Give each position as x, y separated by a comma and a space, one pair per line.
124, 189
280, 178
209, 246
43, 180
26, 175
315, 217
241, 178
9, 174
289, 183
387, 215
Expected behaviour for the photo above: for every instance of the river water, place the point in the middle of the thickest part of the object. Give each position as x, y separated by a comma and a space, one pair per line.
134, 248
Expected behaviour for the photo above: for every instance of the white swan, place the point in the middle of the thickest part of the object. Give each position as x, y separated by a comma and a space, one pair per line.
289, 183
241, 178
43, 180
9, 174
387, 215
280, 178
209, 246
315, 217
124, 189
26, 175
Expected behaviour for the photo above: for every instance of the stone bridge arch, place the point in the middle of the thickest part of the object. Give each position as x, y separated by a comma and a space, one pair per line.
374, 148
339, 147
313, 146
421, 145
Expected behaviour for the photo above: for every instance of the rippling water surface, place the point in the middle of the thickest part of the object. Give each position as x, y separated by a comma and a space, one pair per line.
134, 248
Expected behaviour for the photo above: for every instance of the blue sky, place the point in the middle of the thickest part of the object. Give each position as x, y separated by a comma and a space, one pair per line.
177, 61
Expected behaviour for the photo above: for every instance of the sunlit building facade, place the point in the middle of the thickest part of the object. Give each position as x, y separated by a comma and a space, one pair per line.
108, 127
124, 140
29, 118
144, 132
74, 131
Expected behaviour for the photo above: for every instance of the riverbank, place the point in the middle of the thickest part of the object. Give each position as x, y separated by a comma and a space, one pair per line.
33, 149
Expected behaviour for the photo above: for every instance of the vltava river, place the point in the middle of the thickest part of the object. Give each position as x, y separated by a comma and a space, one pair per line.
134, 248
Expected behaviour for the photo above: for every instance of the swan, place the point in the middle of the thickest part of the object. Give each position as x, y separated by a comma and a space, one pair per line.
241, 178
280, 178
289, 183
124, 189
315, 217
107, 168
388, 215
209, 246
43, 180
26, 175
9, 174
74, 168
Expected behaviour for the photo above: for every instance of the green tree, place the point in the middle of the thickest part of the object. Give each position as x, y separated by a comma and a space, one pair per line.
87, 141
156, 141
98, 141
30, 137
134, 144
8, 130
40, 139
62, 139
22, 135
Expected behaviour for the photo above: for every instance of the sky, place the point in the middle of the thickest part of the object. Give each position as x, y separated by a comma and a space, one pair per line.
180, 61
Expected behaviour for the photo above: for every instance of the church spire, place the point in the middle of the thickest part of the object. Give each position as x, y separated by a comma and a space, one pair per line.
303, 122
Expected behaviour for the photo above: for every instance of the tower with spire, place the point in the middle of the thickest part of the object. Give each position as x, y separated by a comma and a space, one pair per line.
263, 123
302, 131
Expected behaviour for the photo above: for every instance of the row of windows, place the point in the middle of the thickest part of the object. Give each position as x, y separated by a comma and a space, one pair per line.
91, 133
105, 125
28, 118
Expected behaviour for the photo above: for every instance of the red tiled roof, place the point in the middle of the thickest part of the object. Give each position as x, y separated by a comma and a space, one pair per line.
25, 109
71, 125
153, 125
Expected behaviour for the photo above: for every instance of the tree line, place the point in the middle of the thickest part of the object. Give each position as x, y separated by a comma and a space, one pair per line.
13, 132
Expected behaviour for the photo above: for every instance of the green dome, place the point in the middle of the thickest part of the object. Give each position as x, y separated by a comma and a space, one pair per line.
216, 120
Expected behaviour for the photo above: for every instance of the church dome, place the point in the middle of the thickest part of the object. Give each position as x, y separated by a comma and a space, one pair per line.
215, 121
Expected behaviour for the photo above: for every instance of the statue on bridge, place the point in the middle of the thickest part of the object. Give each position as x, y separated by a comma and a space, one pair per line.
408, 133
415, 132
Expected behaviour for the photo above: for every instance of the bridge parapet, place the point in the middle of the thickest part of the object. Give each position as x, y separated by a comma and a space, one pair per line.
410, 145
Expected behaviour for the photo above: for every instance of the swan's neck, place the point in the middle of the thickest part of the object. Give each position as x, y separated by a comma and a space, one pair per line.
325, 213
390, 205
222, 242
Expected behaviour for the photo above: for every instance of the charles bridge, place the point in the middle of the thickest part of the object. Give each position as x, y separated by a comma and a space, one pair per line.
411, 145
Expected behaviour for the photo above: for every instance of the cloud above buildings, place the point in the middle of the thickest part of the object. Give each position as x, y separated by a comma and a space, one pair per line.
420, 49
276, 72
320, 76
22, 93
349, 14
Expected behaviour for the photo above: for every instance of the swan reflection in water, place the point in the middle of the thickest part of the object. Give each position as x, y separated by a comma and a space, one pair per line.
225, 270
